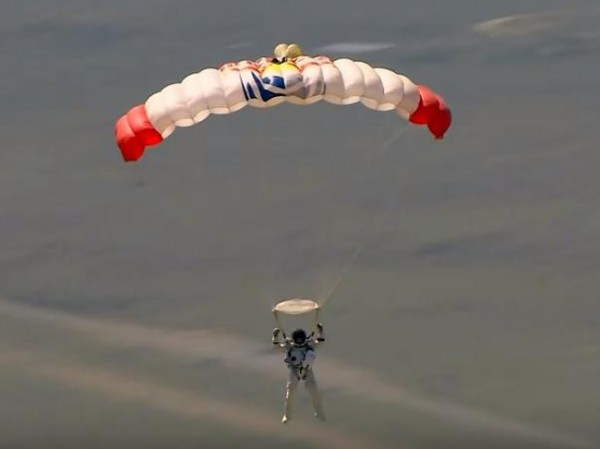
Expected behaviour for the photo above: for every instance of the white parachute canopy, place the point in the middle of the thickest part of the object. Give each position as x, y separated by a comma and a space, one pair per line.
296, 306
287, 77
293, 308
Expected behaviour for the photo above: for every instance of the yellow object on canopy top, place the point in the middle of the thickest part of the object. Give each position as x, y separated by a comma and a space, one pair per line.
287, 51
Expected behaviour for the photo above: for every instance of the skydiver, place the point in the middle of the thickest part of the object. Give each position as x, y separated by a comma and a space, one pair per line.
300, 358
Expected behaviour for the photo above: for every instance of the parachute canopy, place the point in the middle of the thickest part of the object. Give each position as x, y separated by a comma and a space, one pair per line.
295, 306
288, 76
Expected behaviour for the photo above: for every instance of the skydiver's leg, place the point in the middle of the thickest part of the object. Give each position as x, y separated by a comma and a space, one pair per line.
290, 390
315, 396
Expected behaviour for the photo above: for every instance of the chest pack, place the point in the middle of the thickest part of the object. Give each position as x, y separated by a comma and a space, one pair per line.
300, 357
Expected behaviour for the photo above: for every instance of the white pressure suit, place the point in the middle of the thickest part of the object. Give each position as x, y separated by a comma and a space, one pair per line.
300, 359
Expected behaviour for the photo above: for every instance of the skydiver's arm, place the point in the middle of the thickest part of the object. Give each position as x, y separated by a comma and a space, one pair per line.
278, 340
318, 337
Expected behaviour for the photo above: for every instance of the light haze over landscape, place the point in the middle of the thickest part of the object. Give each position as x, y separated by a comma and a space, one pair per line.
461, 276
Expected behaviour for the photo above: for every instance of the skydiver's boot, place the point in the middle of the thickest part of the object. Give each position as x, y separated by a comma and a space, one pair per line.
290, 390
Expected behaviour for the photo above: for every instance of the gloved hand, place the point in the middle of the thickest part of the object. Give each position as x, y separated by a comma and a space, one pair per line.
276, 332
320, 327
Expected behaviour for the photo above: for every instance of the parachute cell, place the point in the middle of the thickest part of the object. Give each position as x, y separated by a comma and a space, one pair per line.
433, 112
135, 132
288, 77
